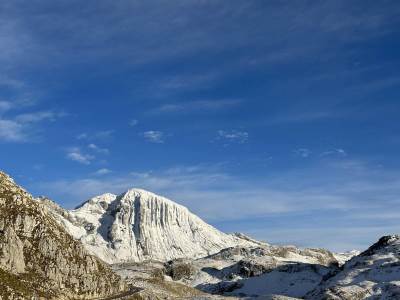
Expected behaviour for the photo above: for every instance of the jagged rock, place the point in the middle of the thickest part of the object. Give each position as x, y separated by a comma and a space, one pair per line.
139, 225
251, 267
222, 287
262, 270
38, 258
374, 274
382, 243
12, 254
231, 252
179, 269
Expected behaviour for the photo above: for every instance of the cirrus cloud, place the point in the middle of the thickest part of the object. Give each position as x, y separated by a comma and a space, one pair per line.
75, 154
232, 136
154, 136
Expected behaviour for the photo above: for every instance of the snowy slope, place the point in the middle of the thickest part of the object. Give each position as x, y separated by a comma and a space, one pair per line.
342, 257
374, 274
264, 270
139, 225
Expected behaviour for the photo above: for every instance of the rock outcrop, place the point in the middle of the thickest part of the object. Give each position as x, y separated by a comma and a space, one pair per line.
373, 274
256, 271
139, 225
38, 258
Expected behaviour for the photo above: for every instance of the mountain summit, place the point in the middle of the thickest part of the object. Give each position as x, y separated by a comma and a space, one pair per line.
139, 225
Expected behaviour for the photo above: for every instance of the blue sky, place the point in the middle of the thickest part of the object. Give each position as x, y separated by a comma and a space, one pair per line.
279, 119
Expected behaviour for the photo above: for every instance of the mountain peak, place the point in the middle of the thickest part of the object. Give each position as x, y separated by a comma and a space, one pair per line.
382, 243
139, 225
6, 182
103, 199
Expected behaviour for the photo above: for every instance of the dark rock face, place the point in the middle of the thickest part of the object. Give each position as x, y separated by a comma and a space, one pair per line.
228, 253
381, 243
179, 269
374, 274
221, 287
251, 268
38, 258
89, 227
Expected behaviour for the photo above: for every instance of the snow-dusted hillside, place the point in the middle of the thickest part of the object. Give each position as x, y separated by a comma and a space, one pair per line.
345, 256
260, 271
374, 274
139, 225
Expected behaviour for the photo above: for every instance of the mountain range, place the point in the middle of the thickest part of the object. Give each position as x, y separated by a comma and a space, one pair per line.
139, 245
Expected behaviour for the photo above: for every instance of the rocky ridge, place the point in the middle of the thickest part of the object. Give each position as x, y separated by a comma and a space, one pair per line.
166, 252
373, 274
38, 258
256, 271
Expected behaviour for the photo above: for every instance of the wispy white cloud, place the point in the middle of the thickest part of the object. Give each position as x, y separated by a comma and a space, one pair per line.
103, 171
133, 122
232, 136
7, 81
302, 117
75, 154
11, 131
188, 81
219, 196
197, 106
98, 149
339, 238
82, 136
216, 194
22, 127
38, 167
154, 136
337, 151
5, 106
302, 152
190, 27
38, 116
98, 135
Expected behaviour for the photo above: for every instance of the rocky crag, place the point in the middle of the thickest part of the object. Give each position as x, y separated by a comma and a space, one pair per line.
373, 274
39, 259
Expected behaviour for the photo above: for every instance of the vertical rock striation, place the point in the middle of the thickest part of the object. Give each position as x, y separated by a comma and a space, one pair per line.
139, 225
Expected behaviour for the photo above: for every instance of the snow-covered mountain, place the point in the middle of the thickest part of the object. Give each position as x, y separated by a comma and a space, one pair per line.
189, 258
139, 225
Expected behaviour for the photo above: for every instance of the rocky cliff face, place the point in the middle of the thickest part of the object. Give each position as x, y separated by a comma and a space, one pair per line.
38, 258
140, 225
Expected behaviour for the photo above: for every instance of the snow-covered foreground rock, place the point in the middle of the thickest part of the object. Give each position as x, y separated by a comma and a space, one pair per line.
285, 272
264, 270
374, 274
343, 257
139, 225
